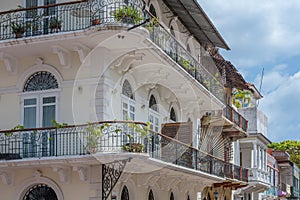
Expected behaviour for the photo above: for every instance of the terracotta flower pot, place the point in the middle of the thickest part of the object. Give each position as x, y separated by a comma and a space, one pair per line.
96, 22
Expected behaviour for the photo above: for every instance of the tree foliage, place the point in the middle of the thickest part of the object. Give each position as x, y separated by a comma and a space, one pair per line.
292, 147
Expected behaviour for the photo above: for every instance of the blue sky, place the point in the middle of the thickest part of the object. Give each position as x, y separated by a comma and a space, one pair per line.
265, 34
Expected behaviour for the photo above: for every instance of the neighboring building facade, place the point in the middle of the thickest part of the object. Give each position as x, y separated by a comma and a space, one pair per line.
85, 63
289, 175
252, 151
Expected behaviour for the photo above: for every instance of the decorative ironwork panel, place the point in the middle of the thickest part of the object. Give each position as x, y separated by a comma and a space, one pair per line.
40, 191
125, 194
111, 172
40, 81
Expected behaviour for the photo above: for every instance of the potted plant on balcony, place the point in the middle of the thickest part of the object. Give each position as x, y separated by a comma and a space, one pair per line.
132, 146
19, 28
55, 24
128, 15
93, 136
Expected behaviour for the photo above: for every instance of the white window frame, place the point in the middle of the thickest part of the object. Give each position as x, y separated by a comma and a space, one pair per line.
129, 102
39, 95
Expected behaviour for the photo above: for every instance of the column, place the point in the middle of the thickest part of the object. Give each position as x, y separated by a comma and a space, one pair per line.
254, 156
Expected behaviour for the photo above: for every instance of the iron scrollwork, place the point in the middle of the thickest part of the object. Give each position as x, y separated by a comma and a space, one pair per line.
111, 172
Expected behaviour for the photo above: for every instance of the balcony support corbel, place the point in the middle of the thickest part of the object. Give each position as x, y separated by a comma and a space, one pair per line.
10, 63
7, 177
64, 173
82, 51
111, 173
82, 171
64, 56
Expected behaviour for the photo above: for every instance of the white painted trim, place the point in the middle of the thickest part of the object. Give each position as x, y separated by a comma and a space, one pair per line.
28, 183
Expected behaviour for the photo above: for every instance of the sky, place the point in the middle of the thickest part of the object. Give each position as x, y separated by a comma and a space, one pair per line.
265, 35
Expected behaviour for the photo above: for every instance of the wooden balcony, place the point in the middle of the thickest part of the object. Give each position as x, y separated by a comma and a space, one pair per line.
233, 124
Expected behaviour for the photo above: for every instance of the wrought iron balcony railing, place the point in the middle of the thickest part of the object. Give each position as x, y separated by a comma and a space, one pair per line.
66, 17
80, 15
170, 45
111, 136
236, 118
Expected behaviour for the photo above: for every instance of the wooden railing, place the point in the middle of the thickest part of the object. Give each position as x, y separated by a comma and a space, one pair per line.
236, 118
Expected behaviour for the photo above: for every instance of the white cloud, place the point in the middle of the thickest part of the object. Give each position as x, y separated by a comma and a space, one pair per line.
257, 31
281, 105
263, 34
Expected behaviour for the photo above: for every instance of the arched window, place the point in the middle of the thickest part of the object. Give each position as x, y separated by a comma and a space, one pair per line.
153, 104
172, 196
154, 117
40, 191
188, 198
150, 196
172, 31
188, 48
39, 108
40, 81
152, 10
127, 90
173, 115
125, 194
128, 103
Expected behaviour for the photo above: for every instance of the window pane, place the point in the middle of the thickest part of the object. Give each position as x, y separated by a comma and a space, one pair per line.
30, 117
132, 116
125, 105
48, 115
125, 115
132, 109
29, 102
48, 100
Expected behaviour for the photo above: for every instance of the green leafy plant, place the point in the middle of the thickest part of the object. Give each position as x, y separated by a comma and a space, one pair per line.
153, 22
10, 133
19, 28
184, 63
55, 23
58, 125
128, 15
136, 128
242, 98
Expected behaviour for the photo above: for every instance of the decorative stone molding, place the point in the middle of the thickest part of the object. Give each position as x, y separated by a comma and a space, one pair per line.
82, 51
64, 56
127, 61
37, 178
7, 177
168, 183
82, 171
147, 179
64, 173
10, 62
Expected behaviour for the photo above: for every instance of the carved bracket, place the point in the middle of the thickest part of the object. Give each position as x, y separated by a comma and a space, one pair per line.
82, 172
10, 62
127, 61
64, 174
6, 177
64, 56
82, 51
111, 172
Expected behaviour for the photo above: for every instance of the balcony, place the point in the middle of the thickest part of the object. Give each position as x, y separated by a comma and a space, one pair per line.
111, 137
84, 15
233, 123
65, 17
